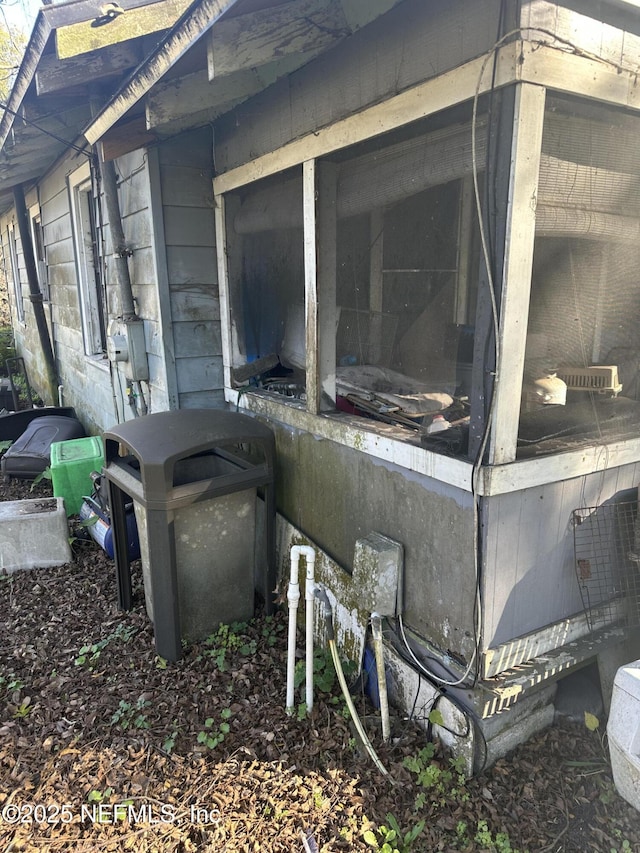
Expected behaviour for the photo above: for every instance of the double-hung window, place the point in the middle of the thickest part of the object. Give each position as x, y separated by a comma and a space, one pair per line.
15, 274
83, 209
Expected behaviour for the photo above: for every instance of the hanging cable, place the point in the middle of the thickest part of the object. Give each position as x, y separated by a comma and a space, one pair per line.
457, 683
73, 146
471, 718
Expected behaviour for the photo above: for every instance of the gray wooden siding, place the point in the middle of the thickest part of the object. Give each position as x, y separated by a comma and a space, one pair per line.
413, 42
186, 171
600, 29
87, 382
529, 573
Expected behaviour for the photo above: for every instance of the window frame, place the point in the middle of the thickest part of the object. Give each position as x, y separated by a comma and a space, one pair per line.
15, 273
85, 241
39, 249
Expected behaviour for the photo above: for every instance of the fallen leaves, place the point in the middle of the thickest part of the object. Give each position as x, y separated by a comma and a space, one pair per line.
271, 782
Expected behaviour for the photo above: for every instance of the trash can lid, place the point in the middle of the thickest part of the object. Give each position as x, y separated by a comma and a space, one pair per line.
161, 439
628, 678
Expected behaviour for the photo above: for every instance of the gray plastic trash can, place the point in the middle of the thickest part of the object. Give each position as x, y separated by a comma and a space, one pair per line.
193, 476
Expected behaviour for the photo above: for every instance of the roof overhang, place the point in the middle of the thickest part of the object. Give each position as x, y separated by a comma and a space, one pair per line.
196, 21
50, 101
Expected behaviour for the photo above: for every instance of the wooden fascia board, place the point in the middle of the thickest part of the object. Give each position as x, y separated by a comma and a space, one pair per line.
54, 75
193, 24
66, 14
420, 101
35, 48
593, 78
87, 36
254, 39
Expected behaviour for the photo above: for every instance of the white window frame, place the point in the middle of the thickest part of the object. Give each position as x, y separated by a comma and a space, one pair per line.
37, 240
81, 196
15, 273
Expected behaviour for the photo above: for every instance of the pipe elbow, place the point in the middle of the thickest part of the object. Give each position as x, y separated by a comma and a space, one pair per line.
305, 551
309, 555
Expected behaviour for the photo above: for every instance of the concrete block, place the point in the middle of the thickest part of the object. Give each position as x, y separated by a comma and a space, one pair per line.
623, 730
520, 732
377, 574
33, 534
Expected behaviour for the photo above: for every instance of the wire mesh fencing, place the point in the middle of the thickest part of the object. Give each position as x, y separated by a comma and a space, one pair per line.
607, 562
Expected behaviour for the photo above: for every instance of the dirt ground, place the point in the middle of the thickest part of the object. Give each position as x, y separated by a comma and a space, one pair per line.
106, 747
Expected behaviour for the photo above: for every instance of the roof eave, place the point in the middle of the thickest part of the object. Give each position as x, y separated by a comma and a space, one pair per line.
34, 50
196, 21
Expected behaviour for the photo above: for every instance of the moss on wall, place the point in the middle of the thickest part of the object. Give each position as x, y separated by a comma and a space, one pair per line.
336, 495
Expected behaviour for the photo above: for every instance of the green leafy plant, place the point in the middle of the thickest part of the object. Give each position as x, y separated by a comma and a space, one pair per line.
498, 844
43, 475
443, 781
228, 638
391, 839
131, 715
96, 796
23, 710
212, 735
324, 674
170, 741
11, 682
123, 632
270, 630
89, 654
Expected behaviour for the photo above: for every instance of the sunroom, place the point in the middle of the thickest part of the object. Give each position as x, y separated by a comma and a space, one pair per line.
434, 302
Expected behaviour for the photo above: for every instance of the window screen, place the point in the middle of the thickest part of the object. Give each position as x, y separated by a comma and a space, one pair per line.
582, 351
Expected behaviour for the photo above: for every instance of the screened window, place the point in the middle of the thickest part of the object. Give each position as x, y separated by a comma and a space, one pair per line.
396, 272
266, 278
406, 276
582, 360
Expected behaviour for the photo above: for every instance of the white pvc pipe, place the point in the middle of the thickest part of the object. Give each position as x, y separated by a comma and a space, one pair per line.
293, 597
378, 648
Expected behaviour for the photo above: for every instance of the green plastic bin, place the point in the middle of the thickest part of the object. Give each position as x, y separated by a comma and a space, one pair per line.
72, 463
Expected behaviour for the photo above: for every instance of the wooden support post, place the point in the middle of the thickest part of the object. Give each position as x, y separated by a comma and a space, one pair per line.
320, 235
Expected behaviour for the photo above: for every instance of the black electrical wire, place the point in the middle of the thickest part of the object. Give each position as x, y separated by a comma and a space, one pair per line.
65, 142
469, 714
432, 681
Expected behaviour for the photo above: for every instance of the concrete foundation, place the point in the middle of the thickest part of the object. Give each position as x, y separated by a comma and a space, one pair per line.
33, 534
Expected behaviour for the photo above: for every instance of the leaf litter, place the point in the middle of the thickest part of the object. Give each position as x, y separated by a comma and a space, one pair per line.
106, 747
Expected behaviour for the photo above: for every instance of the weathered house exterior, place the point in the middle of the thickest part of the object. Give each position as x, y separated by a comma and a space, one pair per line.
403, 207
